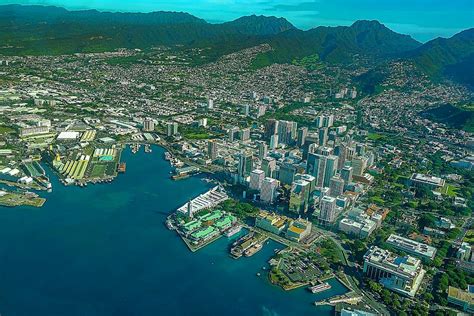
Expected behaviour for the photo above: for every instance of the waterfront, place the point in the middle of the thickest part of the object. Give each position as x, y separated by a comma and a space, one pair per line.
104, 250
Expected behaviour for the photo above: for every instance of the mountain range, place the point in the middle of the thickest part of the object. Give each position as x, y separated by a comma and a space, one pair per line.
52, 30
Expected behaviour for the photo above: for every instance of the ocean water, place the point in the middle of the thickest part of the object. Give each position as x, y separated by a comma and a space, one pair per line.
104, 250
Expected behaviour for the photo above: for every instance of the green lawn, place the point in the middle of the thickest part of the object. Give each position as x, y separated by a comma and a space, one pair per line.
98, 171
6, 130
374, 136
450, 190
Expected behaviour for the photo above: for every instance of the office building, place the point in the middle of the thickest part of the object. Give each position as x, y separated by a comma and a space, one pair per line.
171, 129
148, 125
359, 164
286, 132
322, 136
269, 166
245, 165
271, 128
299, 197
462, 299
328, 121
411, 247
212, 149
262, 150
346, 174
31, 131
418, 180
287, 173
330, 169
298, 230
268, 191
336, 186
316, 166
256, 179
328, 212
272, 223
399, 274
245, 134
302, 133
232, 133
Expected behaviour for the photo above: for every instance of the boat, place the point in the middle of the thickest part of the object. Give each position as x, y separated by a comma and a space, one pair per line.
319, 288
233, 230
122, 167
253, 250
147, 148
168, 156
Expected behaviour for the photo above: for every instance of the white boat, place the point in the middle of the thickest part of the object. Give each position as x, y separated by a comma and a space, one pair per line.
233, 230
319, 288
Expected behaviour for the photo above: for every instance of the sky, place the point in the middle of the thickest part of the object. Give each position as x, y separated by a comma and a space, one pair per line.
422, 19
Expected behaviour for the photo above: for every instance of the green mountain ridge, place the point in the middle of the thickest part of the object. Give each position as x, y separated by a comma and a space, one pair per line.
37, 30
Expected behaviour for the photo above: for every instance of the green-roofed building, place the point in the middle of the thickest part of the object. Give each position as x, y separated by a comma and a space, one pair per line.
224, 222
212, 216
192, 225
205, 233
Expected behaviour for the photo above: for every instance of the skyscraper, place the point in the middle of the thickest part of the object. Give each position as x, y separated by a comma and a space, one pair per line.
245, 134
336, 186
287, 173
262, 149
302, 133
271, 128
331, 168
299, 197
231, 133
273, 142
171, 128
256, 179
346, 174
286, 132
212, 149
245, 166
322, 136
148, 125
328, 121
269, 190
359, 164
316, 166
269, 166
327, 214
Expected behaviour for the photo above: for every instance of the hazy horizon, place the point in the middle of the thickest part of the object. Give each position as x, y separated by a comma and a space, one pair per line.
420, 19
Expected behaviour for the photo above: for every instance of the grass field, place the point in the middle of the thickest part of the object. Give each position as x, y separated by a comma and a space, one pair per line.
98, 171
450, 190
374, 136
6, 130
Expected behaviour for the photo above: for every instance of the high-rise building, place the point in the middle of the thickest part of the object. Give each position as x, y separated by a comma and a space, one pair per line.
325, 151
359, 164
308, 178
336, 186
256, 179
271, 128
262, 149
346, 174
316, 166
287, 173
273, 142
245, 166
287, 132
328, 121
212, 149
171, 129
246, 109
341, 152
269, 166
210, 103
322, 136
299, 197
331, 168
327, 214
245, 134
302, 133
232, 133
148, 125
269, 190
318, 122
311, 139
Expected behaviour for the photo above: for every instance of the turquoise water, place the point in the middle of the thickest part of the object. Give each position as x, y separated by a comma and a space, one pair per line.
104, 250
